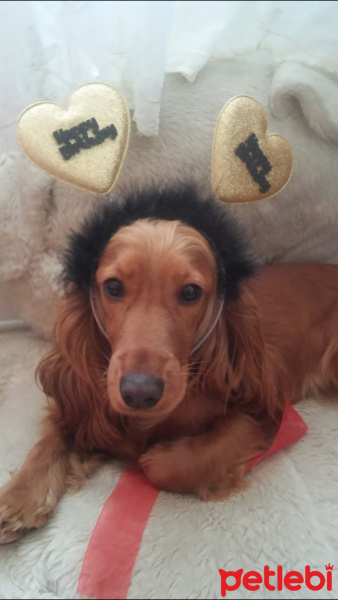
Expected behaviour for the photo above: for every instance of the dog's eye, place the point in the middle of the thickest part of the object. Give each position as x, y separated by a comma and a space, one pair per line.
113, 288
190, 293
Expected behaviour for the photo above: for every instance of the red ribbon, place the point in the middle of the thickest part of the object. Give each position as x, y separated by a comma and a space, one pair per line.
292, 429
109, 561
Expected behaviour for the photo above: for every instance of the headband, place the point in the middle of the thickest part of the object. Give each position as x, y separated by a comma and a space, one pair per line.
85, 145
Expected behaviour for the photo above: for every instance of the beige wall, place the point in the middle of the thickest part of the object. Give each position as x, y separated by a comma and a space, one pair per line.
6, 313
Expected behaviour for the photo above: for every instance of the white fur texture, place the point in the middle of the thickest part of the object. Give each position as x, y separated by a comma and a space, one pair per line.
288, 515
299, 224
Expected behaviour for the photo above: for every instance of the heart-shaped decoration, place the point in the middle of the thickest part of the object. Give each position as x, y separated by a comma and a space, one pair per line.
83, 144
247, 164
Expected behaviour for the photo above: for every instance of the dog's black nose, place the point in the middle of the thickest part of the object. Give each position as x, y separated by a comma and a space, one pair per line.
141, 391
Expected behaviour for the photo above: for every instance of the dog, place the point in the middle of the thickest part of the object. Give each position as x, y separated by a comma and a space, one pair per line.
173, 350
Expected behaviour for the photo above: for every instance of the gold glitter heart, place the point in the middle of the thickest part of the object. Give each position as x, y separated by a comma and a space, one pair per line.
248, 165
83, 144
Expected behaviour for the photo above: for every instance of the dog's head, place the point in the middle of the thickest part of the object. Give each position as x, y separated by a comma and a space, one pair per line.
156, 269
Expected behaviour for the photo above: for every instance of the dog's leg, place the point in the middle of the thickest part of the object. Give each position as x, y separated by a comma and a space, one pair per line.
30, 496
211, 464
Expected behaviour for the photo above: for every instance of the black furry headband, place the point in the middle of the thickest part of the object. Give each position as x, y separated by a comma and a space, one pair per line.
183, 203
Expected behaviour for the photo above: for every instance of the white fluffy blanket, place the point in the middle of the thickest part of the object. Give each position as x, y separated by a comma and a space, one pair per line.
288, 516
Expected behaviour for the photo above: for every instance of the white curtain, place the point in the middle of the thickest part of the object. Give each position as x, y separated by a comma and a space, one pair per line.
47, 48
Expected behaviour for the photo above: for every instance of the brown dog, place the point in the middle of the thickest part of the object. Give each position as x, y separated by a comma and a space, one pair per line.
148, 367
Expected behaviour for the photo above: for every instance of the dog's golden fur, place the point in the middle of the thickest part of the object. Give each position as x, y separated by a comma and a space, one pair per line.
220, 406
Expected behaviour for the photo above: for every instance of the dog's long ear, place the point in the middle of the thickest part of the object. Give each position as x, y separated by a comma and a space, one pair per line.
236, 362
73, 372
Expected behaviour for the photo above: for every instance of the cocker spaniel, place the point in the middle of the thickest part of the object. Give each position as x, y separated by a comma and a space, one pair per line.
173, 351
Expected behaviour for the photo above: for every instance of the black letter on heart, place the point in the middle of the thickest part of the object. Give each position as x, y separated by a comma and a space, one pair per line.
257, 163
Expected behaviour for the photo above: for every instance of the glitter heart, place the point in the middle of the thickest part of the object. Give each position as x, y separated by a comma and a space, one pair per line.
247, 164
83, 144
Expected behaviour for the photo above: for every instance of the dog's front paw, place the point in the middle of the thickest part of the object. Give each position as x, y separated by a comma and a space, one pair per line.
179, 467
21, 510
167, 466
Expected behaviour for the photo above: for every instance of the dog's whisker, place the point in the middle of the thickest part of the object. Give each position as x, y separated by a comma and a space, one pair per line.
196, 364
